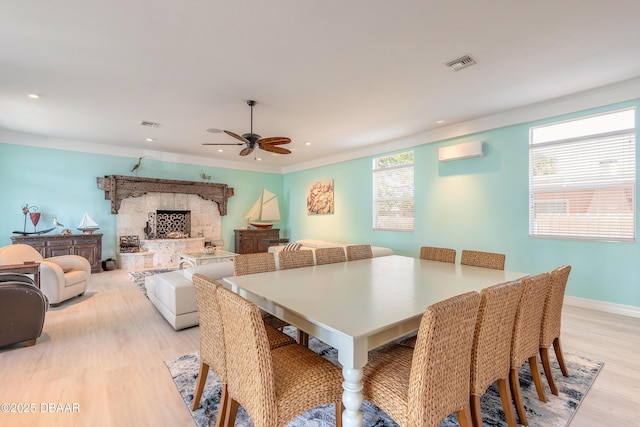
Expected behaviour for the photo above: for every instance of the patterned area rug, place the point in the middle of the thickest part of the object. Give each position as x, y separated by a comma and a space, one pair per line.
558, 411
137, 277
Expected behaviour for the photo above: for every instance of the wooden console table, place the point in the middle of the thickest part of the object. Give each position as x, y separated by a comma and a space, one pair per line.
88, 246
253, 241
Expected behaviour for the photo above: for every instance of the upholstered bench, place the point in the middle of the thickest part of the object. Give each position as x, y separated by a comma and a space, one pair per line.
173, 295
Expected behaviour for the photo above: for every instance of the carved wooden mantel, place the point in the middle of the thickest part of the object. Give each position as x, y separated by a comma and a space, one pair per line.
119, 187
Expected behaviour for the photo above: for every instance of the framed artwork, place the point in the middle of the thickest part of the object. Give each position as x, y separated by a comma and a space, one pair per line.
320, 197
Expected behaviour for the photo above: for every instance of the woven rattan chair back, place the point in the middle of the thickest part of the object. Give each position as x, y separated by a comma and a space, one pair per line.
490, 356
305, 379
483, 259
526, 337
438, 254
330, 256
439, 380
253, 263
250, 379
295, 259
356, 252
423, 386
551, 322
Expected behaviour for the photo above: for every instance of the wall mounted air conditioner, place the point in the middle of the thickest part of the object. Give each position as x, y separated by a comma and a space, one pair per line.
461, 151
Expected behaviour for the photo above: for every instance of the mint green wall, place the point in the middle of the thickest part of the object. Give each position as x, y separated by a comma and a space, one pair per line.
63, 184
479, 204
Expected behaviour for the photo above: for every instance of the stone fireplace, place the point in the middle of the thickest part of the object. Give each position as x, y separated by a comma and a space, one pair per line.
161, 214
184, 208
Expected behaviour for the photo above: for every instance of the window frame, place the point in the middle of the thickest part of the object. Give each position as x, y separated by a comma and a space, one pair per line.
580, 177
379, 171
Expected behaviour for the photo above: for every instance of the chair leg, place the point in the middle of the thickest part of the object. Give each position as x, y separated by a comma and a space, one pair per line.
232, 411
560, 356
476, 413
505, 397
544, 355
202, 379
514, 382
537, 379
464, 416
223, 409
339, 409
303, 338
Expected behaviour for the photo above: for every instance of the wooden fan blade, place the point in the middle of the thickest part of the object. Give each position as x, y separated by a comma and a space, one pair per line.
274, 149
217, 143
236, 136
275, 140
246, 151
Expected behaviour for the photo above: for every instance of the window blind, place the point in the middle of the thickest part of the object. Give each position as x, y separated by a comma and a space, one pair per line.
393, 192
583, 187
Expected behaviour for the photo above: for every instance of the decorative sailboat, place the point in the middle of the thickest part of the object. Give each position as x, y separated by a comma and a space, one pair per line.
87, 225
265, 211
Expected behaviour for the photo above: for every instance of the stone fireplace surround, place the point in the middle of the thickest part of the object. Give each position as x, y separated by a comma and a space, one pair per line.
133, 198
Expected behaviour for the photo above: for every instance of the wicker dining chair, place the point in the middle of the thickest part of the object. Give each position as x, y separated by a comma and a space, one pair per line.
330, 255
551, 317
483, 259
263, 262
212, 348
490, 356
423, 386
526, 337
438, 254
295, 259
356, 252
273, 386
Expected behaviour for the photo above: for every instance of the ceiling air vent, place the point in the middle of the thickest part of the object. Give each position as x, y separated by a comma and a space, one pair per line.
460, 63
149, 124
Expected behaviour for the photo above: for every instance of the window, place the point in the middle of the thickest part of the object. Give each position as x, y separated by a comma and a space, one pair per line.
582, 178
393, 192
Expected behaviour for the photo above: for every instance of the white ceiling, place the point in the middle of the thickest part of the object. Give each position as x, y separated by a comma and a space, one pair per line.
341, 75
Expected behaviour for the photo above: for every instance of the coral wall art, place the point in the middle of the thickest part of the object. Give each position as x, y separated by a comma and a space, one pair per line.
320, 197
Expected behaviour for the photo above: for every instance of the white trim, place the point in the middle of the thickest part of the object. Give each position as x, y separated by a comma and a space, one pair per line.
607, 307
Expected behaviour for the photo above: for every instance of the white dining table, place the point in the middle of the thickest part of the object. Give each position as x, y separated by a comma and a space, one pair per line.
357, 306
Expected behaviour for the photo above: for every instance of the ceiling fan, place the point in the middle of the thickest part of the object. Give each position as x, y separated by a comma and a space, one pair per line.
252, 139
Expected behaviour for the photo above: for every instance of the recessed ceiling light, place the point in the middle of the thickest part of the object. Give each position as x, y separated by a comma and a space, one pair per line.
220, 150
34, 95
150, 139
259, 159
307, 143
440, 121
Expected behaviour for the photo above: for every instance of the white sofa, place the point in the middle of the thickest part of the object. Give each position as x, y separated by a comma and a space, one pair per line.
311, 244
174, 297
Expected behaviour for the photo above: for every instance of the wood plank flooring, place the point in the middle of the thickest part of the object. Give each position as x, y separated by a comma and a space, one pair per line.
105, 353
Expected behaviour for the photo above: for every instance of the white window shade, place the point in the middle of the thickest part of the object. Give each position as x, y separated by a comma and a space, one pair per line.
583, 187
393, 194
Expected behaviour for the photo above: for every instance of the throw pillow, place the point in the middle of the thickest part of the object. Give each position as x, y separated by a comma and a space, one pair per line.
292, 247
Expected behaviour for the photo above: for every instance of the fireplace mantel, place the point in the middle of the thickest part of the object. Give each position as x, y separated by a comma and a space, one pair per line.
119, 187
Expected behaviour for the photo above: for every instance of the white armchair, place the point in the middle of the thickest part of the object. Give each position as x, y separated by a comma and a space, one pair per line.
61, 277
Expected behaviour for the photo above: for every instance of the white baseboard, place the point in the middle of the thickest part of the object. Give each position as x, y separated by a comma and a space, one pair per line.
608, 307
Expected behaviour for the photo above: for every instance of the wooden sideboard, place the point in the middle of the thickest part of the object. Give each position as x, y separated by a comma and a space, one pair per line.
251, 241
88, 246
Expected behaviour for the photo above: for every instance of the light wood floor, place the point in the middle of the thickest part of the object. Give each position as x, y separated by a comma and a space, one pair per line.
105, 352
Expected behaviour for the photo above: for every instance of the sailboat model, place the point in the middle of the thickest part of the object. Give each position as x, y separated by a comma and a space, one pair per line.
265, 211
87, 225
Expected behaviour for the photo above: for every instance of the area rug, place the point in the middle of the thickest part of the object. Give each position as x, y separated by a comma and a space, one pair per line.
557, 412
137, 277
